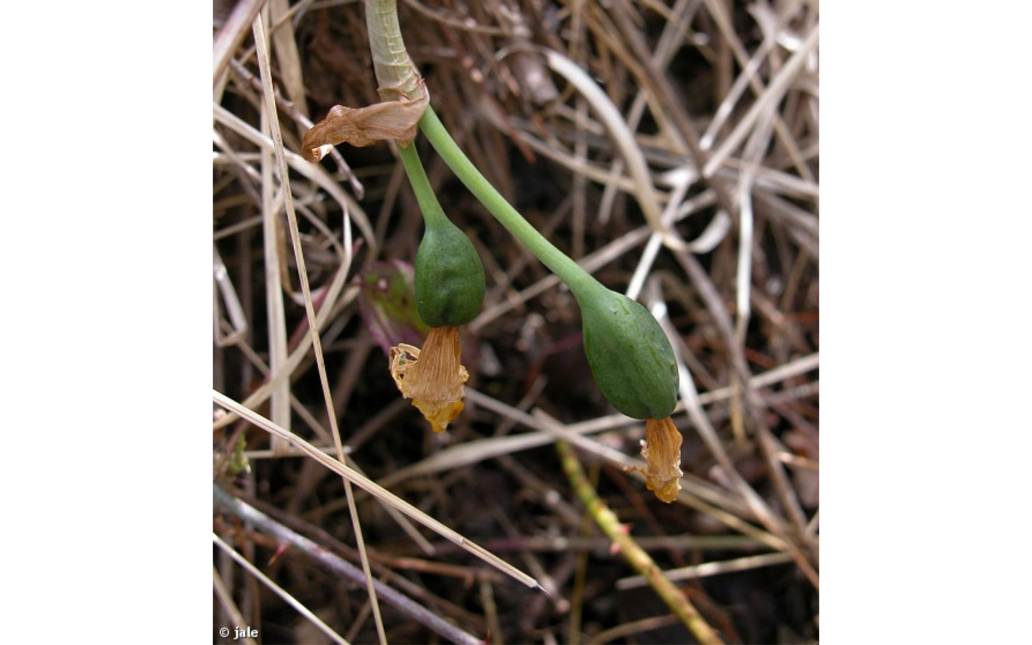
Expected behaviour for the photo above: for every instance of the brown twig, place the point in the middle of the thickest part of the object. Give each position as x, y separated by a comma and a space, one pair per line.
402, 603
629, 549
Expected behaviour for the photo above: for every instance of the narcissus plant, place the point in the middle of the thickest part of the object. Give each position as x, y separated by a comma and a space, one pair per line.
629, 354
449, 285
630, 357
633, 364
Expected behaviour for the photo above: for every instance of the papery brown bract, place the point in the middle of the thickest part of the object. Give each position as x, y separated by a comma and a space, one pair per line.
389, 120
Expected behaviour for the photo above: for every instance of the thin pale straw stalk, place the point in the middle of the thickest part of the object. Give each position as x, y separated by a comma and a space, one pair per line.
375, 490
226, 598
624, 140
295, 238
340, 567
711, 569
278, 590
775, 91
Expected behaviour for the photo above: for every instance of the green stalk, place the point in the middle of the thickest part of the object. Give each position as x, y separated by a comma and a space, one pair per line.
629, 355
580, 282
432, 211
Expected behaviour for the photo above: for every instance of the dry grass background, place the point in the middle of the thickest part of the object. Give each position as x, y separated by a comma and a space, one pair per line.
721, 101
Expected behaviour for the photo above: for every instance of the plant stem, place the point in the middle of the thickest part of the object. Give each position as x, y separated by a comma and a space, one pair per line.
432, 211
577, 279
629, 549
395, 73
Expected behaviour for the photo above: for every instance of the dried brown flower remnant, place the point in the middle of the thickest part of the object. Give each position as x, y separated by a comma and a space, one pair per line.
365, 126
432, 377
661, 451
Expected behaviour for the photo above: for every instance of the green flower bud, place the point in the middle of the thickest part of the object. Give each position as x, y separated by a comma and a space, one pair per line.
449, 277
630, 356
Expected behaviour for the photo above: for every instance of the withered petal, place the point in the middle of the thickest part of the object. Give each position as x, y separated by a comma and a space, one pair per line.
661, 451
432, 377
439, 414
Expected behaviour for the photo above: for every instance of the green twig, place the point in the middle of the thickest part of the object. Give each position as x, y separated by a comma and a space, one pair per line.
634, 554
580, 282
432, 211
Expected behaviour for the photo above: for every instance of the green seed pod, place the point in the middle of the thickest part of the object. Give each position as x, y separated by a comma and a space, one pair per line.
629, 354
449, 276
